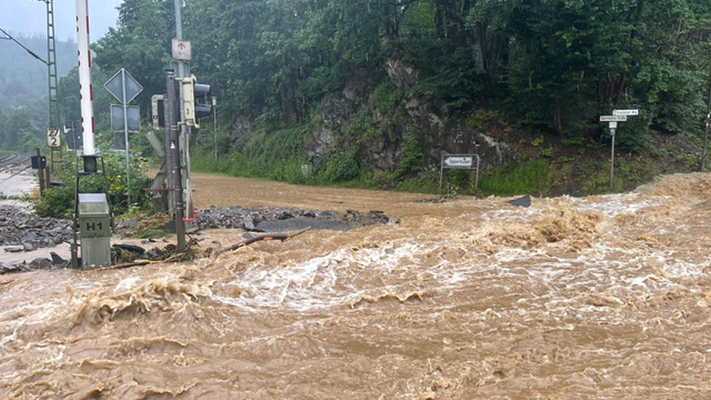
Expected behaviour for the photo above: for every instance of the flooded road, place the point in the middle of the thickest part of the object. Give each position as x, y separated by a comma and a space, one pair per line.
604, 297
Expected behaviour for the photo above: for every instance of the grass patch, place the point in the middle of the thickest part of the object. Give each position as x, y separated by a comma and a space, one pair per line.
535, 177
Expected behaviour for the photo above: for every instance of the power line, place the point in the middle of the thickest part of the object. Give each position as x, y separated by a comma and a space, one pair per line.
9, 98
30, 106
23, 46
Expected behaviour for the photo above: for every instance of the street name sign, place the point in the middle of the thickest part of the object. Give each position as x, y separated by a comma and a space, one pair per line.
53, 139
458, 161
630, 113
182, 50
613, 118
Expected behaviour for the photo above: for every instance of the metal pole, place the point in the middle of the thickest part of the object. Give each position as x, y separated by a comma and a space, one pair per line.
84, 56
40, 172
612, 159
214, 121
476, 181
174, 168
441, 172
125, 135
706, 137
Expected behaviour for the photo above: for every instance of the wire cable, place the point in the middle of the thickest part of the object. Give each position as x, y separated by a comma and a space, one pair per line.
24, 47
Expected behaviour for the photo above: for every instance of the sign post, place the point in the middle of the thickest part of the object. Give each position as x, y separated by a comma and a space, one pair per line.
459, 161
617, 116
125, 89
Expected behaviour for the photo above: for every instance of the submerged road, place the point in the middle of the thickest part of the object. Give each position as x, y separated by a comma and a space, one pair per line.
603, 297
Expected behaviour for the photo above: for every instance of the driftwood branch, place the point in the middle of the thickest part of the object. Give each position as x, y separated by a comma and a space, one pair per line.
268, 236
175, 258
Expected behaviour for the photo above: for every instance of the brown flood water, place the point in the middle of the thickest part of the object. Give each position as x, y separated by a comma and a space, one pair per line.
604, 297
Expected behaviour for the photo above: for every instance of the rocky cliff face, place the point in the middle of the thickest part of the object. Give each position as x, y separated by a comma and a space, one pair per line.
436, 135
350, 120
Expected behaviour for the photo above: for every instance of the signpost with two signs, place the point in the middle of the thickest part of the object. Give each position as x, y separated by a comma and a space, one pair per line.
612, 120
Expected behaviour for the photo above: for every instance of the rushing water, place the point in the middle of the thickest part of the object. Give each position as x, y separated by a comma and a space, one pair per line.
605, 297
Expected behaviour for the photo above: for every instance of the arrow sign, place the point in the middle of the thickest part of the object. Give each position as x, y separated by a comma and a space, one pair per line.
625, 112
182, 50
613, 118
458, 162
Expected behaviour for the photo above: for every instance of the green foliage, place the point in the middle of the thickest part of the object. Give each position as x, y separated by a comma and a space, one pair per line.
690, 161
23, 79
532, 178
361, 128
59, 202
342, 167
553, 66
386, 97
410, 163
547, 152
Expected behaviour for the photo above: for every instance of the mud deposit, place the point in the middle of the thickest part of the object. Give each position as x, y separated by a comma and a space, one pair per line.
601, 297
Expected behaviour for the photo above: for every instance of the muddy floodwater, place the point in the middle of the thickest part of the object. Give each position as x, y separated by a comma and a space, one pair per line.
603, 297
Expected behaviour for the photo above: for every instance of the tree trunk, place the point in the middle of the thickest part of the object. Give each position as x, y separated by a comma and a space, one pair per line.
557, 115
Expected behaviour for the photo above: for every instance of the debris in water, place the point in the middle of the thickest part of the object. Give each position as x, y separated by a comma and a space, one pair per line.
524, 202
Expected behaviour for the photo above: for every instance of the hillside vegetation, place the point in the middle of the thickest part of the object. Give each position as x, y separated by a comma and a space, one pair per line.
23, 90
371, 92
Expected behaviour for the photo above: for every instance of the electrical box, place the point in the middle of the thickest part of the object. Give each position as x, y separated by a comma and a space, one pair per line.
95, 230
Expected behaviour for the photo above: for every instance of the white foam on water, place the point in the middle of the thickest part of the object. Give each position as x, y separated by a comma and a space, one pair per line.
126, 284
614, 205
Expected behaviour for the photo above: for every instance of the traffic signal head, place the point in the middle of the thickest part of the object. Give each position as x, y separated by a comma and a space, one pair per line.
196, 101
203, 107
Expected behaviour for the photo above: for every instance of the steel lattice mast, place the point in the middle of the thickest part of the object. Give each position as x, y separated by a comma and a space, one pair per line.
54, 118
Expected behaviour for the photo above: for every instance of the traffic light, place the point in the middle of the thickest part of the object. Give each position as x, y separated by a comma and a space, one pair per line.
196, 101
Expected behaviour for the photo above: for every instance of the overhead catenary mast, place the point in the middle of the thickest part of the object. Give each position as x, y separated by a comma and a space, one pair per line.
85, 88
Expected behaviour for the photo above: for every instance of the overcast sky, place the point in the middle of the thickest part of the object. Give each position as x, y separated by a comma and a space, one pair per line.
30, 17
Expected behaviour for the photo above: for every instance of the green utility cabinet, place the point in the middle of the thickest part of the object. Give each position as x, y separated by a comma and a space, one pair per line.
95, 230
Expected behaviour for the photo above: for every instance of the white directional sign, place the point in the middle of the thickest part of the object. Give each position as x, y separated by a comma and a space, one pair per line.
631, 113
53, 138
613, 118
182, 50
458, 161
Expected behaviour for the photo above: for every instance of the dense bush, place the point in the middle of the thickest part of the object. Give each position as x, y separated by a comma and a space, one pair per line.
59, 201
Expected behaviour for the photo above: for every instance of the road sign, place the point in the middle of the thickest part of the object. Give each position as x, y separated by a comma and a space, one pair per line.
625, 112
458, 161
116, 85
133, 114
182, 50
613, 118
613, 125
53, 139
